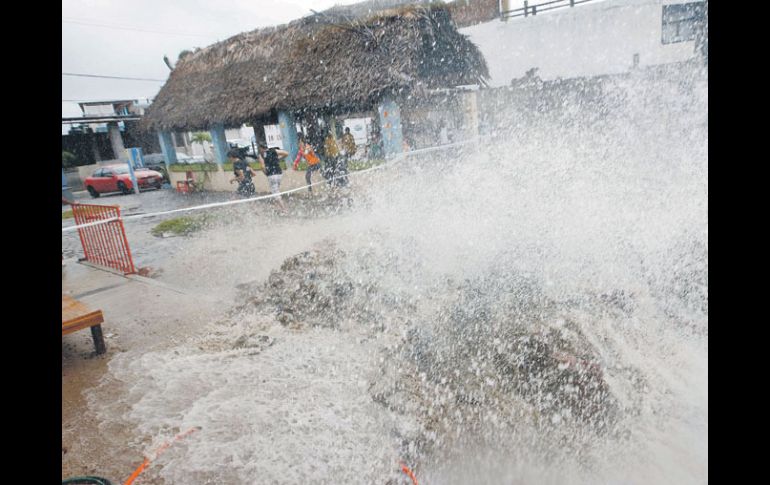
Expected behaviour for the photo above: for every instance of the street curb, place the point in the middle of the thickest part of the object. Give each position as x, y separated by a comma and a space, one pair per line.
152, 282
135, 277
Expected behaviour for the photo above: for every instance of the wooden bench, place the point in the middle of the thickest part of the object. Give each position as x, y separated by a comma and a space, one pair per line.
75, 315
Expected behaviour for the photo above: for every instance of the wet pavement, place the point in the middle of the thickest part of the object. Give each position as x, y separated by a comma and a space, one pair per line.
139, 313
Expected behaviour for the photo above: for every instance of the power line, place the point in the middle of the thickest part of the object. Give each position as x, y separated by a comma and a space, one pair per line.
111, 77
137, 29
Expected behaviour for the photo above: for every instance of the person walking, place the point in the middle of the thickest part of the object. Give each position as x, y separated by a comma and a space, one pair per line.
332, 152
348, 150
307, 152
270, 158
243, 174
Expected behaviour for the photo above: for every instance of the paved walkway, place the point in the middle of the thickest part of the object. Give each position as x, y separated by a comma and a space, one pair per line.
128, 303
139, 313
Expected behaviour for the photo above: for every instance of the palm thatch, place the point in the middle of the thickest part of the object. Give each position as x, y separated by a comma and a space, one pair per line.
317, 63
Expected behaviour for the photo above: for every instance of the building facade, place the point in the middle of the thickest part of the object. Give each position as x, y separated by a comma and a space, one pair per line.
592, 39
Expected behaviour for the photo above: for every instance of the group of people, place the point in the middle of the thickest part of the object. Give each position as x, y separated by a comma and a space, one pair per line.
269, 159
335, 158
335, 166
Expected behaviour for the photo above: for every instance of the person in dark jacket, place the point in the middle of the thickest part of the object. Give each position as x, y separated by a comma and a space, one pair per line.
243, 174
331, 162
270, 158
348, 150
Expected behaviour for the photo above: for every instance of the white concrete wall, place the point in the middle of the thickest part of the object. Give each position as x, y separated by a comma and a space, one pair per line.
586, 40
99, 109
197, 150
232, 133
242, 133
359, 128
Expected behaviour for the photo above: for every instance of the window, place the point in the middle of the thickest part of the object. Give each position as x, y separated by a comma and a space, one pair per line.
681, 21
98, 173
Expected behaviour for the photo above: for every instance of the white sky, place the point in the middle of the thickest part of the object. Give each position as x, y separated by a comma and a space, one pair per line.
110, 50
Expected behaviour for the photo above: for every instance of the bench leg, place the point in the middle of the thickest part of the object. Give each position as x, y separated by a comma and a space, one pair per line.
96, 333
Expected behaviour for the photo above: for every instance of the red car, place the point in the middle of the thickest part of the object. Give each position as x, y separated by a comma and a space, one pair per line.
116, 178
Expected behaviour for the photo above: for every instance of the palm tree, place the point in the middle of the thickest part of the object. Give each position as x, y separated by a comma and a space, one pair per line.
201, 137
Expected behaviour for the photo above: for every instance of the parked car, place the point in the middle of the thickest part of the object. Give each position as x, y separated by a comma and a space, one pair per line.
157, 162
116, 178
245, 146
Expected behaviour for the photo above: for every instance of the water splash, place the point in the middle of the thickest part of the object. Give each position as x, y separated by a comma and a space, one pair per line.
530, 309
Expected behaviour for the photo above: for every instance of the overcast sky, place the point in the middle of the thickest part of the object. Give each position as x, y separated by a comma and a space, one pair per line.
129, 39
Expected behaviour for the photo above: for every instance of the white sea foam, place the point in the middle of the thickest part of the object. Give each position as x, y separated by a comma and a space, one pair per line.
617, 206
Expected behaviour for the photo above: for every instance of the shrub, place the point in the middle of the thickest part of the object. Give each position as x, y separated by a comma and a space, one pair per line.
180, 226
354, 165
68, 159
193, 167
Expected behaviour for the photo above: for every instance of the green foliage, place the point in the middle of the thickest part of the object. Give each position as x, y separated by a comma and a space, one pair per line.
67, 214
354, 165
200, 137
181, 226
68, 159
164, 172
193, 167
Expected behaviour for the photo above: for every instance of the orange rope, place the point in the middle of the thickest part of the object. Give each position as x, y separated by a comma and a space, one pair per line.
408, 472
161, 449
139, 470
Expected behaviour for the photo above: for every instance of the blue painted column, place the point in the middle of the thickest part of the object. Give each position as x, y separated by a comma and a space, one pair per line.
133, 176
136, 156
217, 132
167, 147
289, 134
66, 193
135, 160
390, 124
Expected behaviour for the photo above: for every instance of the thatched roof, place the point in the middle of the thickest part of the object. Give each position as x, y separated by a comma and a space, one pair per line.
316, 62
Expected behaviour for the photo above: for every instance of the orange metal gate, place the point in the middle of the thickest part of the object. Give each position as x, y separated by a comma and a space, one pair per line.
103, 244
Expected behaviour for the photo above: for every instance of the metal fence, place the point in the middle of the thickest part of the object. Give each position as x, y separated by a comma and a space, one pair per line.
103, 244
534, 9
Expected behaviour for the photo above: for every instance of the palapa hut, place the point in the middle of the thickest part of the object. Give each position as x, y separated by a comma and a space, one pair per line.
325, 63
